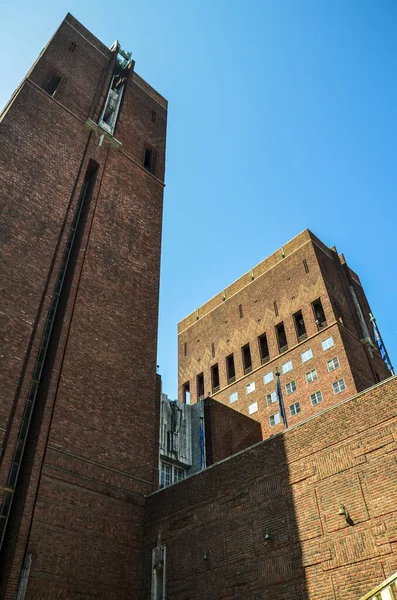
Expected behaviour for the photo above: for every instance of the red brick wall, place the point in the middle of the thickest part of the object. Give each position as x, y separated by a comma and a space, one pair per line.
227, 431
290, 486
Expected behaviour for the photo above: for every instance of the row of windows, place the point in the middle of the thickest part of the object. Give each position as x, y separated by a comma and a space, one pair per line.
250, 387
170, 474
294, 409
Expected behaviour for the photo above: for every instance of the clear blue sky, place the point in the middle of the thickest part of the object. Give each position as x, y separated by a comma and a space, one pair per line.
282, 116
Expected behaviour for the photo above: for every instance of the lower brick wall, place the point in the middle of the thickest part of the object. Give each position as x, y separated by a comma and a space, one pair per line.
290, 487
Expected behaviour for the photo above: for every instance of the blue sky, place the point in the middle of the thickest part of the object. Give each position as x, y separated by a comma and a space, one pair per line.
282, 116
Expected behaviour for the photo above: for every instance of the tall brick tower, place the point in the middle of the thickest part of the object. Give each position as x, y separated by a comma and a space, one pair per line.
302, 311
82, 156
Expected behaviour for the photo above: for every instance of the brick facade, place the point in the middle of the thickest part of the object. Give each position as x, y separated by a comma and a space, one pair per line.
290, 280
216, 524
91, 449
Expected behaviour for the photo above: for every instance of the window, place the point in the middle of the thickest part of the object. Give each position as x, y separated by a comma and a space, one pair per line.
307, 355
328, 343
149, 159
311, 376
231, 373
186, 393
300, 327
275, 308
215, 377
233, 397
72, 47
290, 387
185, 349
294, 409
270, 398
154, 115
316, 398
178, 474
339, 386
213, 350
333, 364
253, 408
281, 337
53, 84
246, 354
200, 386
158, 573
240, 310
165, 475
263, 348
306, 265
274, 419
250, 387
286, 366
268, 377
319, 315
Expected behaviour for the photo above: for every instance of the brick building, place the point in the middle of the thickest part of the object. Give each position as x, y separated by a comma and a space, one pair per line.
82, 155
302, 310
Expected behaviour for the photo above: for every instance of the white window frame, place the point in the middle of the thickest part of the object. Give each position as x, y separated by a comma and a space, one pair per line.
313, 378
287, 366
327, 343
316, 401
159, 554
233, 397
339, 388
331, 360
292, 385
172, 468
304, 354
268, 377
271, 398
253, 408
250, 387
293, 406
276, 419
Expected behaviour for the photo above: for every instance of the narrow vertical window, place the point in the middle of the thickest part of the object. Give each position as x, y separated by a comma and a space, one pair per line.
246, 354
213, 350
153, 116
306, 265
240, 310
319, 315
53, 84
263, 348
230, 370
185, 349
300, 327
275, 308
215, 378
186, 393
72, 47
281, 337
200, 386
149, 159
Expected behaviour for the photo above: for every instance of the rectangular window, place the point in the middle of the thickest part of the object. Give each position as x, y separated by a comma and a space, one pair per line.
246, 354
268, 377
270, 398
328, 343
275, 308
158, 573
319, 315
185, 349
294, 409
215, 378
250, 387
53, 84
307, 355
149, 159
186, 393
263, 348
311, 376
213, 350
339, 386
333, 364
306, 265
231, 373
253, 408
178, 474
153, 116
165, 475
300, 327
286, 366
290, 387
274, 419
233, 397
281, 338
200, 386
240, 310
316, 398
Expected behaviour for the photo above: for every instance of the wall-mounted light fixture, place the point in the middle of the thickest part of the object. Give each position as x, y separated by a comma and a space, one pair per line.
343, 512
268, 536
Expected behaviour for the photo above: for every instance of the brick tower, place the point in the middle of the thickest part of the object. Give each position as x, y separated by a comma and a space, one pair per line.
302, 310
82, 156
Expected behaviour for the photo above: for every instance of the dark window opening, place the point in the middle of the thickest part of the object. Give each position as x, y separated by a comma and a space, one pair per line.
281, 338
52, 84
72, 47
215, 377
319, 315
186, 393
263, 349
213, 349
149, 160
247, 362
200, 386
300, 326
306, 266
240, 310
275, 308
185, 349
231, 373
153, 116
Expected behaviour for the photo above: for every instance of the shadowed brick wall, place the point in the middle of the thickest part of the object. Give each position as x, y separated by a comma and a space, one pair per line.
290, 486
